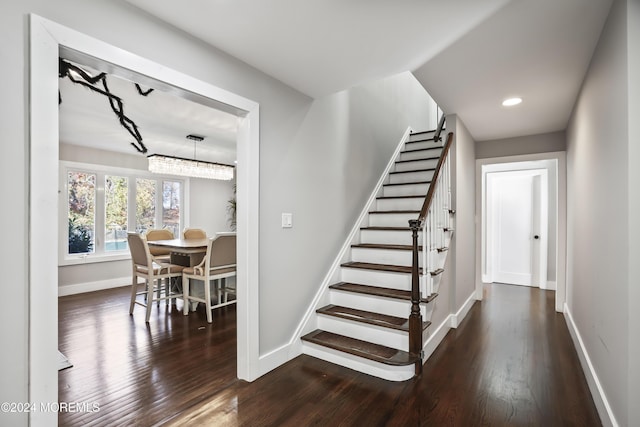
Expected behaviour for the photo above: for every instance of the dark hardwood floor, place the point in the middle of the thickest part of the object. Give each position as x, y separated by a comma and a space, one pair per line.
510, 363
140, 373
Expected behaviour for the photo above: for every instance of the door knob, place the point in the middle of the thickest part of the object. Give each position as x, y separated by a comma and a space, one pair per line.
536, 237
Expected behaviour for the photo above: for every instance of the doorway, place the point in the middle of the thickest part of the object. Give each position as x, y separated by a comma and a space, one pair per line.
552, 164
48, 41
517, 227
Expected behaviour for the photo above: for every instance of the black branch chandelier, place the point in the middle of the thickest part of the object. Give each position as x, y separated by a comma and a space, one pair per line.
79, 76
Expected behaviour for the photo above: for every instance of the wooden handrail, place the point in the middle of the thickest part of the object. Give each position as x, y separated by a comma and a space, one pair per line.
434, 179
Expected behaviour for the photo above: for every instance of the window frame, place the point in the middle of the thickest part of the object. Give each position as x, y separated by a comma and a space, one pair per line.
101, 171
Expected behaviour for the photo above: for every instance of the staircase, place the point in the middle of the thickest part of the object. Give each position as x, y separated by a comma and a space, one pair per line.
363, 319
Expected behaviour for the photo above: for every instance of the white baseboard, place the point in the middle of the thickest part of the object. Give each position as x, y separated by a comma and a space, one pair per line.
459, 316
436, 338
551, 286
271, 360
599, 398
99, 285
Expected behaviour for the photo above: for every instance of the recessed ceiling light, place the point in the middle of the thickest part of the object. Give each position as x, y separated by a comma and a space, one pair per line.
510, 102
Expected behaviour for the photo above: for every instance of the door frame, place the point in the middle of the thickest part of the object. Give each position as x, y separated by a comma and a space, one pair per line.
48, 40
553, 161
539, 256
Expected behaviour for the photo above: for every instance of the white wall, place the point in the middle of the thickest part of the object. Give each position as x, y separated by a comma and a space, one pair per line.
598, 209
208, 200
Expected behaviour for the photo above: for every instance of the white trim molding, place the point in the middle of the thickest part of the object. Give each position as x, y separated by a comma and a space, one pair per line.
561, 230
99, 285
599, 398
48, 41
459, 316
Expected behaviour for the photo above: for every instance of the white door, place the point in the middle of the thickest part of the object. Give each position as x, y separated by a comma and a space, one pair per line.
517, 216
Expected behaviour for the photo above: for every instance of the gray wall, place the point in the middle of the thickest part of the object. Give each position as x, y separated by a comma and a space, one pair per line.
317, 160
465, 231
530, 144
598, 216
458, 281
633, 50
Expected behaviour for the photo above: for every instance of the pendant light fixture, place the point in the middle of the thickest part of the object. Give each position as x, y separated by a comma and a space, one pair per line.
171, 165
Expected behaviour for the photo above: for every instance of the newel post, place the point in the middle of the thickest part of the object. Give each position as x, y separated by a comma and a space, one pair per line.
415, 318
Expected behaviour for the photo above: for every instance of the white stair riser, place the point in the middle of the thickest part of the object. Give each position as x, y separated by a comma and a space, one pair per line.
419, 136
383, 256
391, 220
362, 331
422, 145
386, 279
389, 306
376, 369
409, 203
387, 237
408, 177
405, 190
415, 154
416, 165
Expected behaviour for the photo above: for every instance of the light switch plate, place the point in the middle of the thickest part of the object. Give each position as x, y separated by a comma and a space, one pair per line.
287, 220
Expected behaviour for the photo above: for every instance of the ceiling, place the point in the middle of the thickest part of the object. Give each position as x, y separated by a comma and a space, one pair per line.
163, 119
468, 54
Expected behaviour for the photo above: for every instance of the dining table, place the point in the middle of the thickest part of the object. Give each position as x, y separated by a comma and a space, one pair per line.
185, 252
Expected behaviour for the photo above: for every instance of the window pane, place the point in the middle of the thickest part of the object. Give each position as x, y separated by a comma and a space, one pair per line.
145, 204
81, 218
171, 206
115, 196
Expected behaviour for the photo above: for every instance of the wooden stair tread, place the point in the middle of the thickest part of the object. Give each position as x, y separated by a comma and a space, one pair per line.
422, 132
415, 150
369, 317
416, 170
394, 212
385, 246
379, 291
420, 149
380, 267
418, 160
380, 228
367, 350
401, 197
407, 183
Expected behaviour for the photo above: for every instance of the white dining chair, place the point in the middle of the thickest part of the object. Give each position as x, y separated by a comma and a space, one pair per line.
157, 276
218, 264
161, 254
194, 233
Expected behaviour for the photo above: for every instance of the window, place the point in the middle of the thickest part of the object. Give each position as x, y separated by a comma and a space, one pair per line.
171, 206
81, 216
115, 199
99, 200
145, 204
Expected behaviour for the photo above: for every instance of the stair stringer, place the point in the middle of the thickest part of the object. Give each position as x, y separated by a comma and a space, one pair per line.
310, 319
